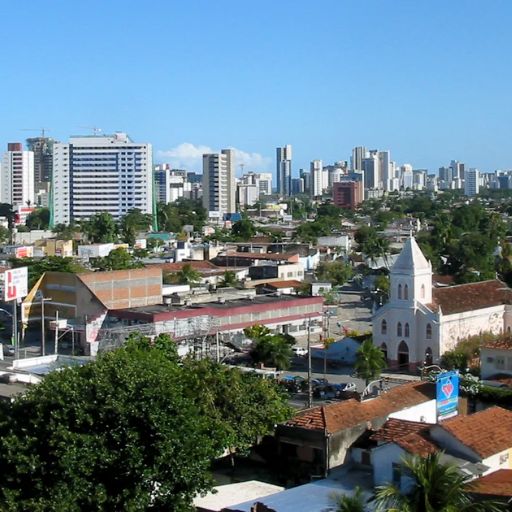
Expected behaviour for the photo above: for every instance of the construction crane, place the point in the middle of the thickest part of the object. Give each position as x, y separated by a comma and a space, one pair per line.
42, 130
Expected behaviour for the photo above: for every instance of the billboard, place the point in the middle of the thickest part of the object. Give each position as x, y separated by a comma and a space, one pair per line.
15, 283
447, 394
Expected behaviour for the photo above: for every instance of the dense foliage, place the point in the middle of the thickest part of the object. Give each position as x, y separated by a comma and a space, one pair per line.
134, 430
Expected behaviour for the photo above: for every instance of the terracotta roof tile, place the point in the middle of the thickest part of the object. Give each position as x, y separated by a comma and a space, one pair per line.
471, 296
486, 432
412, 436
498, 483
504, 342
349, 413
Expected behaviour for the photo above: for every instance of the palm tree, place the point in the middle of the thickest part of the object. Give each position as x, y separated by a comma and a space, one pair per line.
436, 487
228, 279
188, 274
346, 503
369, 361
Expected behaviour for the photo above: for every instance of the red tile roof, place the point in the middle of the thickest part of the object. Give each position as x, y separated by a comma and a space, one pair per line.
412, 436
504, 342
280, 256
498, 483
471, 296
486, 432
350, 413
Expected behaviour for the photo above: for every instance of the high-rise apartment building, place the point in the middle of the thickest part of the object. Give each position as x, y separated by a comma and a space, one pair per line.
219, 192
42, 147
108, 173
262, 179
471, 182
17, 176
171, 184
371, 170
359, 153
284, 170
317, 178
407, 176
385, 169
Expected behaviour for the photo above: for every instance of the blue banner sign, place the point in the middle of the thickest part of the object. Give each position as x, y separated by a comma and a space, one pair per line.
447, 394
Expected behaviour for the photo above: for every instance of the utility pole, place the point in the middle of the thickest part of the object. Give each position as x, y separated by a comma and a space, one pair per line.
15, 340
310, 384
56, 331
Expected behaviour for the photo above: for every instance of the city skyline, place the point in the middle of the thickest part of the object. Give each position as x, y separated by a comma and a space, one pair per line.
427, 82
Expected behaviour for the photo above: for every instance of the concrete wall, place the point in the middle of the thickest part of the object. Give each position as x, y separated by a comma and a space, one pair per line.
383, 458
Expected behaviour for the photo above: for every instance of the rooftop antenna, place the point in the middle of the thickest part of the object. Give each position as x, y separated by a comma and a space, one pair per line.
242, 168
42, 130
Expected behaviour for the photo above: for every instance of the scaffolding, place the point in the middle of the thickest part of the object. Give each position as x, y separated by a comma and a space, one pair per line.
199, 335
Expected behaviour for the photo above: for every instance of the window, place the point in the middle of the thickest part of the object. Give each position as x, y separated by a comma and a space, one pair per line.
399, 329
406, 292
406, 330
384, 327
422, 292
399, 291
428, 333
500, 362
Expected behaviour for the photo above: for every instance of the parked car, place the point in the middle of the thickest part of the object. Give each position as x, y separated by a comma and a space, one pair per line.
293, 383
299, 351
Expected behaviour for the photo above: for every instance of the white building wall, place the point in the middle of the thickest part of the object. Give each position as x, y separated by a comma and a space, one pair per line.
469, 323
17, 178
425, 412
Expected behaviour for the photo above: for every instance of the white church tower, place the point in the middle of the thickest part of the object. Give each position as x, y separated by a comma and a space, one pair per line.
400, 326
411, 276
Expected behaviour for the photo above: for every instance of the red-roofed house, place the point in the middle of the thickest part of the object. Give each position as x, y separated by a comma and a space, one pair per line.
421, 322
320, 438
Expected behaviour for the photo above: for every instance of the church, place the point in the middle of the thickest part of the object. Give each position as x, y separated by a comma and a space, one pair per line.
421, 321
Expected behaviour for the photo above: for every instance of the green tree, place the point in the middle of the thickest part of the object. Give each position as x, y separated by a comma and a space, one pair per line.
38, 219
117, 259
229, 279
243, 405
369, 361
7, 212
119, 433
4, 235
349, 503
243, 230
100, 228
132, 223
436, 487
66, 231
273, 351
187, 275
336, 272
173, 216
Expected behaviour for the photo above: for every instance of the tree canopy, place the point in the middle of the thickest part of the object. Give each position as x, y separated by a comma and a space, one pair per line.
134, 430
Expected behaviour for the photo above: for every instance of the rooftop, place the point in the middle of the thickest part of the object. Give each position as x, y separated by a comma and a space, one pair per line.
411, 259
504, 342
349, 413
411, 436
471, 296
498, 483
292, 283
486, 432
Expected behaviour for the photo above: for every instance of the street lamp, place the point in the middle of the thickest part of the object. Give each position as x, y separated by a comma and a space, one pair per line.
40, 296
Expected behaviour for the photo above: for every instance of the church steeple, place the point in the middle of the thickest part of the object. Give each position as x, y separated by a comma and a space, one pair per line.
411, 276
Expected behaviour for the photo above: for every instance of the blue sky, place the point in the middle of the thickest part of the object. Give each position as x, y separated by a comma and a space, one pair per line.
431, 81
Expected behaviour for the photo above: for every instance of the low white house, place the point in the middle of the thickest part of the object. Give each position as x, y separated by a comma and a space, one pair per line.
342, 352
496, 358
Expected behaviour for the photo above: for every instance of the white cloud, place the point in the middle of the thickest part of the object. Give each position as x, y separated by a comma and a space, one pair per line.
190, 157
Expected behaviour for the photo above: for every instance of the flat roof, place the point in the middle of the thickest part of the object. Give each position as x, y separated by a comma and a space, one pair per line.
228, 304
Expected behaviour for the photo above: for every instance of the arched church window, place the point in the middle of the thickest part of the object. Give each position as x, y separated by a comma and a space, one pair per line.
406, 330
422, 291
399, 329
406, 292
399, 291
429, 332
384, 327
